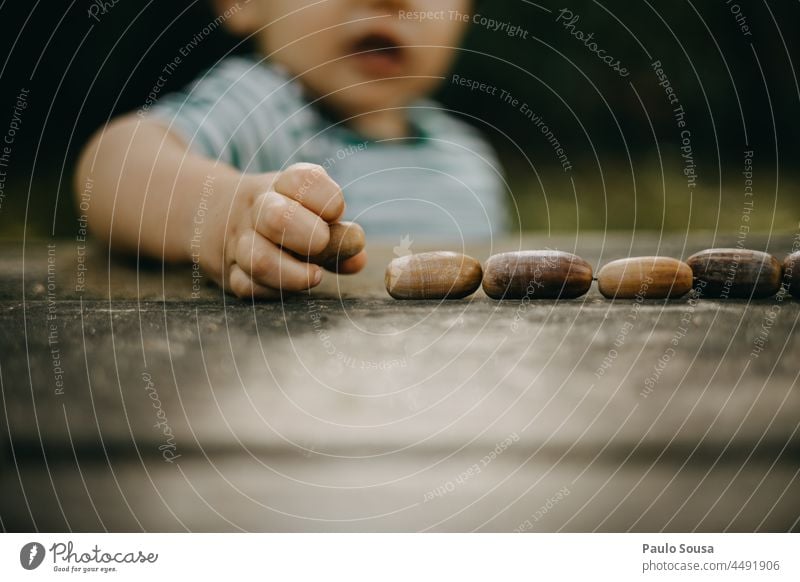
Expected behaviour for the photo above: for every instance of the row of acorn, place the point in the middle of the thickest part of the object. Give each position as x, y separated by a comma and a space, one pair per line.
549, 274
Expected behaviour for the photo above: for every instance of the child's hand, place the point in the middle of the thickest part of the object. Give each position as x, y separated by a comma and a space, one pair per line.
272, 214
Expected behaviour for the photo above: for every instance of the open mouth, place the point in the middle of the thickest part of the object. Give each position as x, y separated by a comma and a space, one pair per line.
378, 53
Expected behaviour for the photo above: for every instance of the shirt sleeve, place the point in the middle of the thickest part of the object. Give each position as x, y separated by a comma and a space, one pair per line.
224, 114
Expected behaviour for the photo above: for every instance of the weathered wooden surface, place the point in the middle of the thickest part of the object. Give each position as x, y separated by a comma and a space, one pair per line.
347, 410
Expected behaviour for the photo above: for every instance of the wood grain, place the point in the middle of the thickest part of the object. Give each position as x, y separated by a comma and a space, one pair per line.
342, 409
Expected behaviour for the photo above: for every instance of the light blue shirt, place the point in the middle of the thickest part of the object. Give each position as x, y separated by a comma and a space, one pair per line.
251, 114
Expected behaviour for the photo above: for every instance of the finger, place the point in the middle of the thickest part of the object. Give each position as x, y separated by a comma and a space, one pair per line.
288, 224
310, 185
352, 265
242, 285
269, 266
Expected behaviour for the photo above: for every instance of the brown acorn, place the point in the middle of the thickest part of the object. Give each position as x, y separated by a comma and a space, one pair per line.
645, 277
434, 275
347, 240
543, 274
736, 273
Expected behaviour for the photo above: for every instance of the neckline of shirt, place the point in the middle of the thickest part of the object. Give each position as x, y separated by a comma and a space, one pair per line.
416, 111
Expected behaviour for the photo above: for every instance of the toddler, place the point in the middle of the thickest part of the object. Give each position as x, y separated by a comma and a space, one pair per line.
243, 171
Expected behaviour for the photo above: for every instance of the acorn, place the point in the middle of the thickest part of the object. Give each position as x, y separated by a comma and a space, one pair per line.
434, 275
543, 274
347, 240
645, 277
736, 273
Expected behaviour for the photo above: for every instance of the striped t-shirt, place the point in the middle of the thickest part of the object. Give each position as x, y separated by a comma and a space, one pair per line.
445, 181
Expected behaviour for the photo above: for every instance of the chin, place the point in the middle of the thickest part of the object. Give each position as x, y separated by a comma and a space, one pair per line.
379, 95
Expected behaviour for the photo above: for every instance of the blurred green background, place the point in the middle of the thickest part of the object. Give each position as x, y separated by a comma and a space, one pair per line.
738, 87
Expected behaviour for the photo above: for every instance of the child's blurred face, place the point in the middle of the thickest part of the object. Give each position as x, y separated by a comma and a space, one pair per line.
360, 55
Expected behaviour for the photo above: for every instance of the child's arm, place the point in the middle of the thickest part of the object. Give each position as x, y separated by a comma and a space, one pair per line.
151, 193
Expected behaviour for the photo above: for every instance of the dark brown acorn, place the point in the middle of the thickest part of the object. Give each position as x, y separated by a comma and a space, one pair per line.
543, 274
736, 273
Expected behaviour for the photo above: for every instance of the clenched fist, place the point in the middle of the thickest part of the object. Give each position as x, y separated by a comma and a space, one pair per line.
272, 220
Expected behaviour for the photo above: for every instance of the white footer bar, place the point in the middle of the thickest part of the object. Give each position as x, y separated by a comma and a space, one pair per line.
400, 557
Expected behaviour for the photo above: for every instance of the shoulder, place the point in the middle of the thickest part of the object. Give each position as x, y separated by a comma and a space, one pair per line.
229, 109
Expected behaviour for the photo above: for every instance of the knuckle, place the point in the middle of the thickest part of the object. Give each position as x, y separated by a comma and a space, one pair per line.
254, 257
336, 205
262, 263
302, 177
264, 183
332, 200
263, 207
277, 217
241, 287
304, 168
270, 202
318, 243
